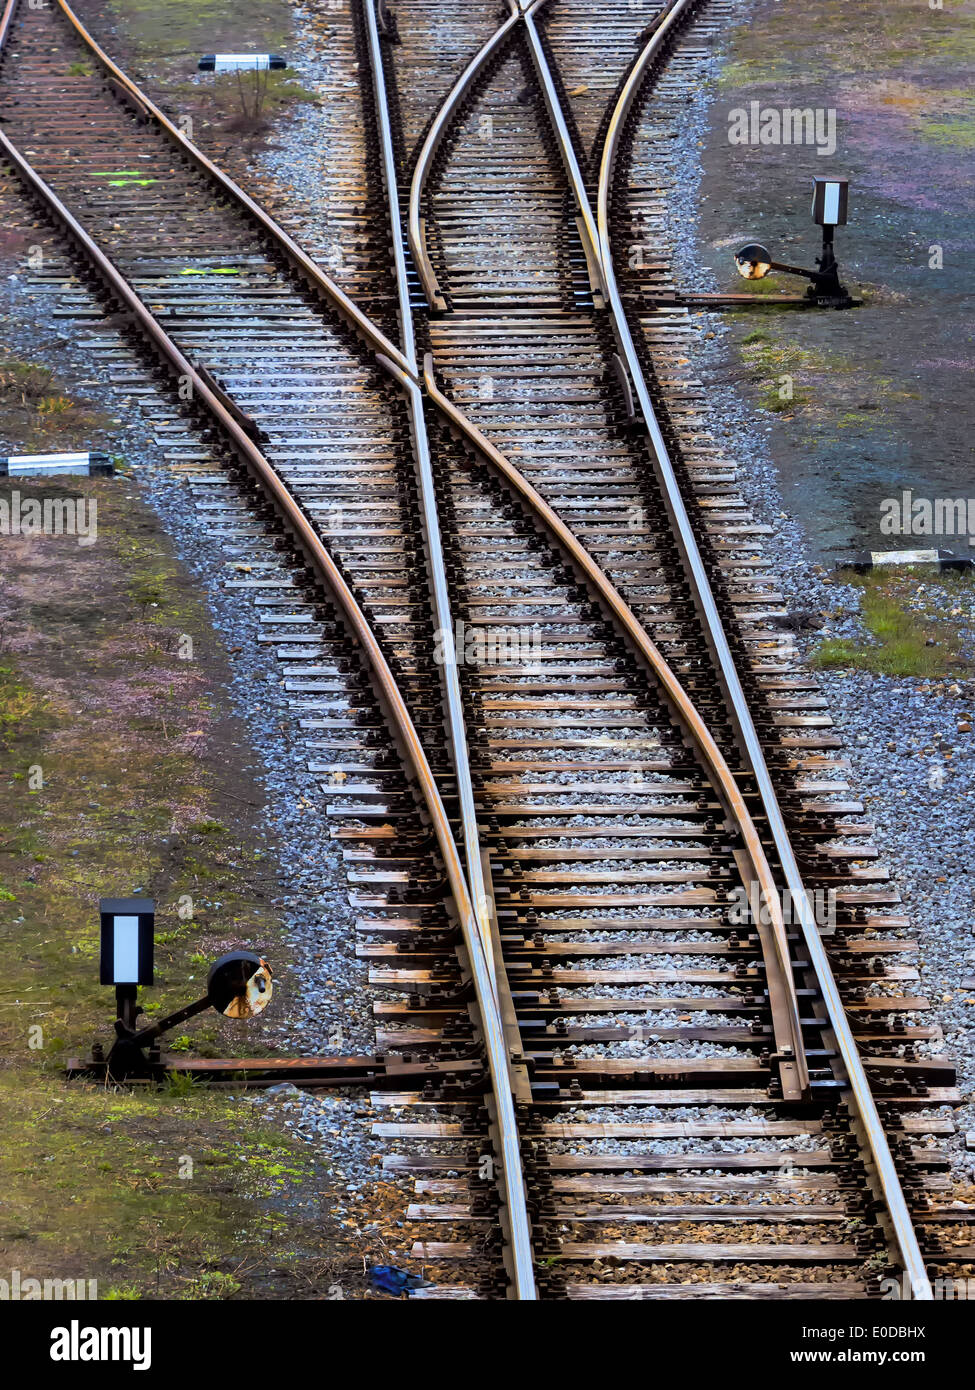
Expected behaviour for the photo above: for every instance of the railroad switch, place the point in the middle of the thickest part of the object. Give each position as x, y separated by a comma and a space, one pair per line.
754, 261
238, 986
825, 291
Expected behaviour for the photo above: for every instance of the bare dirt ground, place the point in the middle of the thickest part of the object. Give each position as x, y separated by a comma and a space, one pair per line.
884, 394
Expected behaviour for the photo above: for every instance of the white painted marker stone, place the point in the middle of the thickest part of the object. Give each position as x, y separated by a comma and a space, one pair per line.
86, 465
237, 62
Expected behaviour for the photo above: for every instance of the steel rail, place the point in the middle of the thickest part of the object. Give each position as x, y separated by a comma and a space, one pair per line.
347, 601
417, 241
866, 1108
319, 558
402, 366
279, 495
424, 163
787, 1027
428, 501
512, 1175
557, 118
406, 372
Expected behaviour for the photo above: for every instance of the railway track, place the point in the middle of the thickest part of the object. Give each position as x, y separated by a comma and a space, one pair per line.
569, 735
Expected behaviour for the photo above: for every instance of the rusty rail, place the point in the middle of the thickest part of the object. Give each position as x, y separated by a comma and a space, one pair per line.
305, 536
439, 591
415, 232
400, 366
511, 1175
793, 1068
299, 259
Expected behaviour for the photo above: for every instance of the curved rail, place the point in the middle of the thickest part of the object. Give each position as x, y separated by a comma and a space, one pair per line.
404, 370
778, 962
864, 1103
600, 249
276, 491
418, 246
520, 10
428, 502
512, 1177
793, 1068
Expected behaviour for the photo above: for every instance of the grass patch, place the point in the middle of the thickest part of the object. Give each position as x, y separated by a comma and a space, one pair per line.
184, 1197
838, 39
26, 383
23, 711
787, 377
778, 397
959, 133
243, 103
39, 416
209, 827
906, 642
165, 42
781, 371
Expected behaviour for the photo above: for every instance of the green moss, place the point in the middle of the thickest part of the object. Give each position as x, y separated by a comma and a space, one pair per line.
835, 38
959, 133
208, 827
786, 373
22, 710
905, 642
38, 414
151, 1200
770, 399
